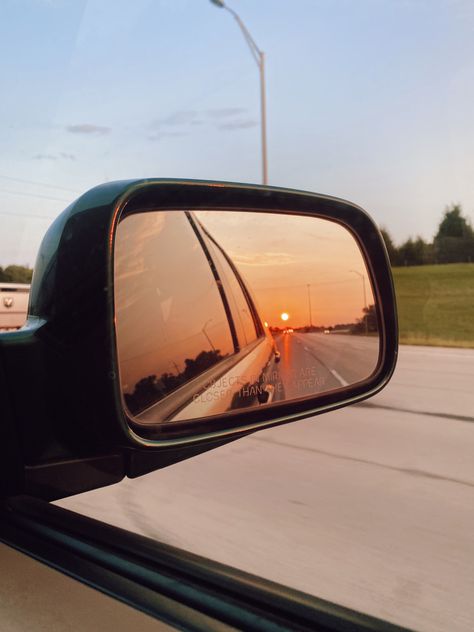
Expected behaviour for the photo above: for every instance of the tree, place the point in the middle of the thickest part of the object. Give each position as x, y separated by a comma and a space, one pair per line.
391, 248
146, 393
413, 252
454, 224
16, 274
454, 241
369, 319
368, 322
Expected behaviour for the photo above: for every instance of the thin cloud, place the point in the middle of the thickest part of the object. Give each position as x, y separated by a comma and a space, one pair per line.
182, 117
44, 157
192, 118
88, 128
161, 135
232, 125
51, 3
222, 113
264, 259
61, 156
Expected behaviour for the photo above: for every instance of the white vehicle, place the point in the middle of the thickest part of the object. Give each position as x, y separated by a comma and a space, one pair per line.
13, 304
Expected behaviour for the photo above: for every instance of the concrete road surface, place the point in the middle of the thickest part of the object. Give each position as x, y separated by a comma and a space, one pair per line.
371, 506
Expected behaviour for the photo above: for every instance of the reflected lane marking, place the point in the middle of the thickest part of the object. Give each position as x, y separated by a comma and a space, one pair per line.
340, 379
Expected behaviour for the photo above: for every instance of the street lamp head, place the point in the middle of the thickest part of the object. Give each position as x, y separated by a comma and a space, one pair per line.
218, 3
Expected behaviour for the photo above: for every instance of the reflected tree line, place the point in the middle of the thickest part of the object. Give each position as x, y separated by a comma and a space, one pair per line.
368, 322
151, 388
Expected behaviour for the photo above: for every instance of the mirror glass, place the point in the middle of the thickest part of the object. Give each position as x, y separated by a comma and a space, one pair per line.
219, 311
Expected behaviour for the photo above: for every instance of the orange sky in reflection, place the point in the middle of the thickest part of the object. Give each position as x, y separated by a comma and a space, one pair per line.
294, 264
164, 296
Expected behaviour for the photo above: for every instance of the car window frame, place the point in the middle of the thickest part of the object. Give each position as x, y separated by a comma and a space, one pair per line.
172, 585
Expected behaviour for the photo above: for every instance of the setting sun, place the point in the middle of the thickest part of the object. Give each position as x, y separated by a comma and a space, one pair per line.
284, 316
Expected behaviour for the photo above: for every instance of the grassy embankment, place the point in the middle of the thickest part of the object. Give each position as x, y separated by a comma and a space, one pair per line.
436, 304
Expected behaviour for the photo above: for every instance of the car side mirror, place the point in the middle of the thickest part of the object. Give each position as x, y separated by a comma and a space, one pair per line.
169, 317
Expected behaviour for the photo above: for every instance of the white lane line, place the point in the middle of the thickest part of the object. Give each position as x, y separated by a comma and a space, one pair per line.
340, 379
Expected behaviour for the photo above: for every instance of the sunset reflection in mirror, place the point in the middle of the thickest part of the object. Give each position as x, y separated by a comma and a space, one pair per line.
302, 266
218, 311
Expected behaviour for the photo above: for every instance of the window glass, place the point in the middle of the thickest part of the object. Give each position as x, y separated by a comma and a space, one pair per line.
170, 318
241, 310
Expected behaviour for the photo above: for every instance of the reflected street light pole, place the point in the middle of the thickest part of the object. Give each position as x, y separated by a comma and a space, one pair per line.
175, 366
365, 300
259, 57
206, 334
308, 285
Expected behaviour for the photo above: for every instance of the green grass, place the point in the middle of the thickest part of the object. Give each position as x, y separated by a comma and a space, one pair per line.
436, 304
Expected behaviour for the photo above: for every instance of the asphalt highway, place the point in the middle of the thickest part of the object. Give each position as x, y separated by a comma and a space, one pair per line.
315, 362
371, 506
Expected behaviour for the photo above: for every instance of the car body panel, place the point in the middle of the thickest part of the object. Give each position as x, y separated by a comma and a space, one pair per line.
34, 596
13, 305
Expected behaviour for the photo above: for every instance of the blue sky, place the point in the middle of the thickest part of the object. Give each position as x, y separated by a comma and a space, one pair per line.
370, 100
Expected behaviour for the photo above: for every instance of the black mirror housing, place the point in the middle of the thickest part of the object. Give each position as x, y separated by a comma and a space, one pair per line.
68, 429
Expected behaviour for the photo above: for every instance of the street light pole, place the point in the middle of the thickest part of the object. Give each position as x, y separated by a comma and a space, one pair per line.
365, 300
263, 118
259, 57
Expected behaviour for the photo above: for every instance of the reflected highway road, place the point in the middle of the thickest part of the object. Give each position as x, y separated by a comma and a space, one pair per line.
370, 506
317, 362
